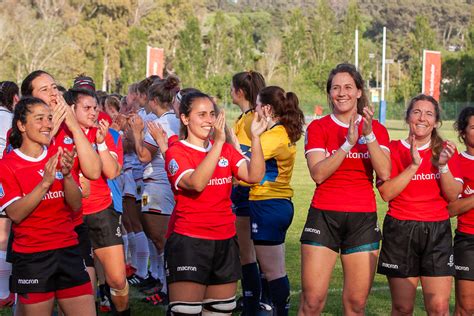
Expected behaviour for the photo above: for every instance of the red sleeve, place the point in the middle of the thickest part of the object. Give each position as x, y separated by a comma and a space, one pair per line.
172, 139
10, 190
394, 159
454, 165
382, 135
314, 138
177, 165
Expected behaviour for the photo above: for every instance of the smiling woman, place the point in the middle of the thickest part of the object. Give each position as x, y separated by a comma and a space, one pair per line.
45, 255
425, 177
343, 150
201, 252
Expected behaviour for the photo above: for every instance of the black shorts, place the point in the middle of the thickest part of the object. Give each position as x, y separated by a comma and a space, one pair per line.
208, 262
105, 228
464, 256
415, 248
347, 232
47, 271
85, 246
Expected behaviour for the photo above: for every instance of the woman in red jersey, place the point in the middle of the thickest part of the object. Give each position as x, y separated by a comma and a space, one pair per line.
343, 150
201, 252
102, 221
45, 255
417, 241
463, 208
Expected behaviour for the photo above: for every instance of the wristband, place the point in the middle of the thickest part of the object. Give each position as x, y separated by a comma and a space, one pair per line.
370, 138
443, 169
346, 146
102, 146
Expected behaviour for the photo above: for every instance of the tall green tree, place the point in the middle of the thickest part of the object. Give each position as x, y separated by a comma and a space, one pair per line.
294, 45
133, 58
190, 64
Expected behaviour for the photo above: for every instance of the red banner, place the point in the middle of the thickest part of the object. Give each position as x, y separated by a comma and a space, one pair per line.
155, 61
431, 73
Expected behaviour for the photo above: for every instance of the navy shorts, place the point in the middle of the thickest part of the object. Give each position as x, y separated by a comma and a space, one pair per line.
240, 200
269, 220
105, 228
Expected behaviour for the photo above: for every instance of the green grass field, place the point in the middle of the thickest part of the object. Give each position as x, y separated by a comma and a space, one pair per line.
379, 299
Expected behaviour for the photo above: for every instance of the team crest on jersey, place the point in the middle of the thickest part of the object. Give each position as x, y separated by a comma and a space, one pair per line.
68, 140
362, 140
223, 162
59, 175
173, 167
2, 192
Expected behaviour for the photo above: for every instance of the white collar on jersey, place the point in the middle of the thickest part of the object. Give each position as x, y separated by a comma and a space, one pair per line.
204, 150
334, 118
32, 159
166, 113
466, 155
407, 145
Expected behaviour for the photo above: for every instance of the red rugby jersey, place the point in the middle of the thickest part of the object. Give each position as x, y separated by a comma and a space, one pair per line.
50, 225
466, 220
422, 199
100, 196
208, 214
350, 187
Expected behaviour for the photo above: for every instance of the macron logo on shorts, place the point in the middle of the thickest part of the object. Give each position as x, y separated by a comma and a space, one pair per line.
390, 265
312, 230
186, 268
28, 281
461, 268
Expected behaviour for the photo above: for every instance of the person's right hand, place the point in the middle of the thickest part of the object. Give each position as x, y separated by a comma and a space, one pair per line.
353, 131
59, 114
259, 125
50, 171
158, 134
136, 123
415, 154
219, 128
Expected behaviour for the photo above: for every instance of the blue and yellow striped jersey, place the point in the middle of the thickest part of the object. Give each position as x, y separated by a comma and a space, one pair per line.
279, 153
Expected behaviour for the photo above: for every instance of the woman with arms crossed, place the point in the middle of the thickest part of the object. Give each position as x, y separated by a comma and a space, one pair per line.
201, 252
342, 151
417, 241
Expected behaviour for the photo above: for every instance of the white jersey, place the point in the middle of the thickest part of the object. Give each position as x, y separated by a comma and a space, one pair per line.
6, 123
155, 170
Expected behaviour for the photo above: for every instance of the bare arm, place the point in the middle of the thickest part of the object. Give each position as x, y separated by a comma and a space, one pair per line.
379, 158
72, 193
20, 209
393, 187
110, 166
322, 167
451, 187
254, 170
461, 206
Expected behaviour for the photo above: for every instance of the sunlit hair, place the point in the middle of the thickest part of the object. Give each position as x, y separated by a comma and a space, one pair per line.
285, 106
250, 82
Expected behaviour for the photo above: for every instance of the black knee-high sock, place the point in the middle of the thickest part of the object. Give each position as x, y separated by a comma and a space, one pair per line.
265, 297
251, 288
280, 294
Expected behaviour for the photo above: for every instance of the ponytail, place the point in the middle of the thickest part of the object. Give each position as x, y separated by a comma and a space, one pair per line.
436, 146
285, 106
250, 82
8, 91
